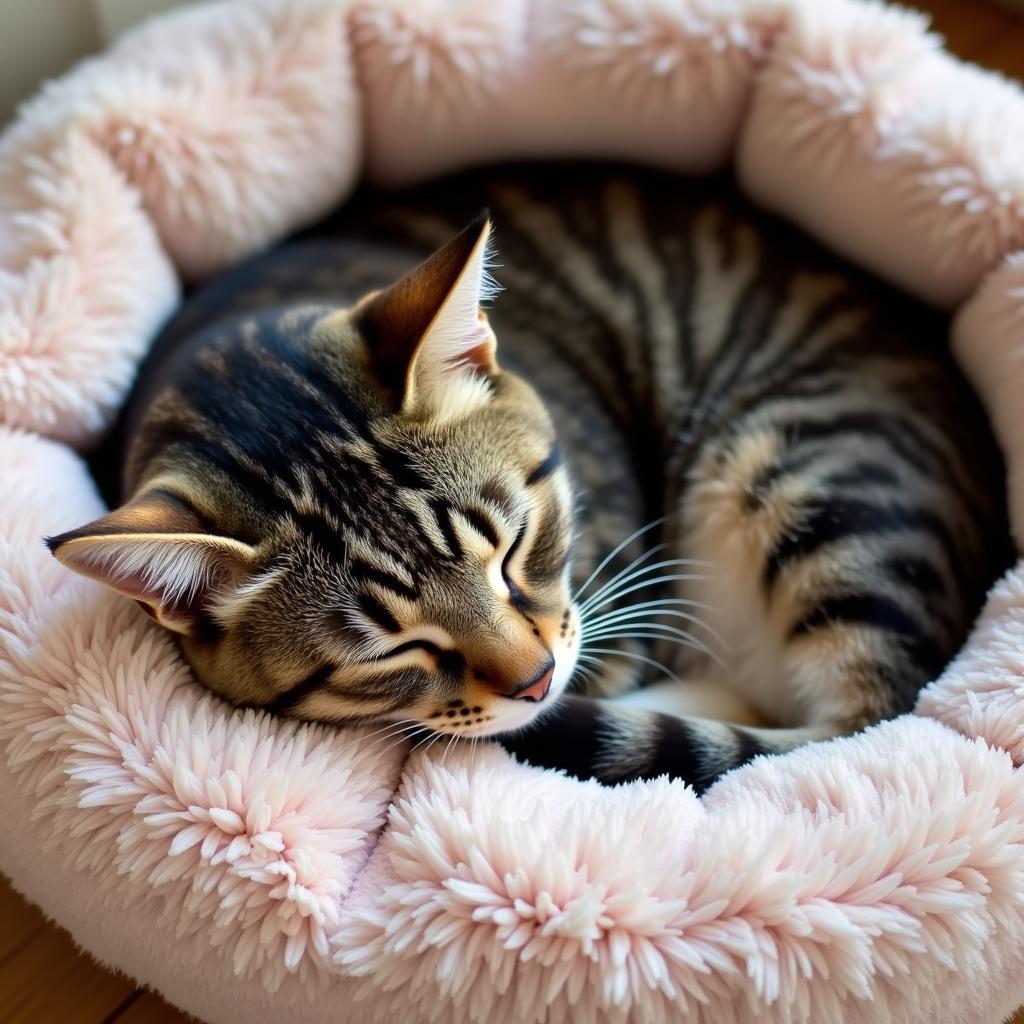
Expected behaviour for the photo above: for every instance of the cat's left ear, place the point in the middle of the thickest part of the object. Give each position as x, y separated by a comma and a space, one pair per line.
429, 336
157, 551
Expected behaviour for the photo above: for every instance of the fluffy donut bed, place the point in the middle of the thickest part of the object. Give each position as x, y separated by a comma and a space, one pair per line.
249, 868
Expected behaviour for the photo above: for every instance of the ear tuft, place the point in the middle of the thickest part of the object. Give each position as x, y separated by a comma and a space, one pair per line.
159, 552
429, 336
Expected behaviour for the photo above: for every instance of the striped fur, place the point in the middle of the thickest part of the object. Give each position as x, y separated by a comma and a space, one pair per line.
821, 496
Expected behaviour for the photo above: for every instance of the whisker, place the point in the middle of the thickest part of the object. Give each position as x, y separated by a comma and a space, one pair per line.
677, 636
650, 634
583, 672
635, 657
626, 616
405, 737
659, 603
392, 734
646, 583
622, 621
449, 747
439, 736
642, 572
393, 722
622, 572
629, 540
428, 740
392, 725
589, 674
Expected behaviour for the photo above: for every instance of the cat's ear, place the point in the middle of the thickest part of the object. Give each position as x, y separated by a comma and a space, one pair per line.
429, 336
157, 551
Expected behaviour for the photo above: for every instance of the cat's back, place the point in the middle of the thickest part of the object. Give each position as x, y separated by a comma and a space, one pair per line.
648, 310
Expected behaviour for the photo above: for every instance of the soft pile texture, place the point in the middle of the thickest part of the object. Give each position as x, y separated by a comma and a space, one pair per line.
244, 866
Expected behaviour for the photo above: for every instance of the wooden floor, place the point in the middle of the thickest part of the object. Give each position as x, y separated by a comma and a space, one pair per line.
44, 980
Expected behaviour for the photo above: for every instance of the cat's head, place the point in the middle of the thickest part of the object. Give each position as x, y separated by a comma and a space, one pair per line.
404, 557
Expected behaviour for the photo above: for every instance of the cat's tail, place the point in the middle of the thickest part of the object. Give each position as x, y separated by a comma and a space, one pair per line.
614, 742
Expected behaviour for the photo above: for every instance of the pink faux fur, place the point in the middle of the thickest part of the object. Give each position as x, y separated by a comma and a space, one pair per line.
244, 866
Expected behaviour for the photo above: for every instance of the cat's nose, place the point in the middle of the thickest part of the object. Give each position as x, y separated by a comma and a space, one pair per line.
536, 689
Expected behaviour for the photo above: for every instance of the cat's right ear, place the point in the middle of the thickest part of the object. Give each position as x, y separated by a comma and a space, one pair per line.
157, 551
429, 337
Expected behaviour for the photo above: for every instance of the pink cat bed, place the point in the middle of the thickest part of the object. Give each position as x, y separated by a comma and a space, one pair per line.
252, 869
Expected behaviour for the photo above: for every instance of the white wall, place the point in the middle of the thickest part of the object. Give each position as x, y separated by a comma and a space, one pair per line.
41, 38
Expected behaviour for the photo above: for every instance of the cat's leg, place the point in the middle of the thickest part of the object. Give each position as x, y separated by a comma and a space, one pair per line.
831, 601
817, 629
823, 628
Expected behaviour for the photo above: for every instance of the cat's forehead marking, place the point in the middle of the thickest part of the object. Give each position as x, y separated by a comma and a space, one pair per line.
500, 495
546, 466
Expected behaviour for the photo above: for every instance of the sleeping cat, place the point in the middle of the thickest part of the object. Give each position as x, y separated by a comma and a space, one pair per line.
689, 491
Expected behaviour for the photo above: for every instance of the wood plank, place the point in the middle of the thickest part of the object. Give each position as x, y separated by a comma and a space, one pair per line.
1006, 53
967, 25
47, 981
149, 1008
20, 921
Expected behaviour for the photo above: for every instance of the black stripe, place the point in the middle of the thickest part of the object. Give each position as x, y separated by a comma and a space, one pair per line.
862, 474
565, 737
681, 747
205, 629
551, 462
443, 515
818, 386
837, 518
363, 571
481, 524
603, 249
287, 701
898, 432
916, 573
399, 466
513, 548
750, 322
788, 463
753, 314
547, 555
550, 266
375, 611
322, 534
794, 360
675, 753
673, 249
866, 609
413, 645
907, 439
498, 494
337, 394
927, 655
748, 746
160, 436
394, 689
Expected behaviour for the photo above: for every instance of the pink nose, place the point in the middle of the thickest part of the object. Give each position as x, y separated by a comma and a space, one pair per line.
538, 689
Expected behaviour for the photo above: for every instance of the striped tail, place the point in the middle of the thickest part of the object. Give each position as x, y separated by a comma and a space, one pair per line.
612, 742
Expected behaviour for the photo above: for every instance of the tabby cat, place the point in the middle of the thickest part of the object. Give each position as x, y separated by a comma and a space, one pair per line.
690, 491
